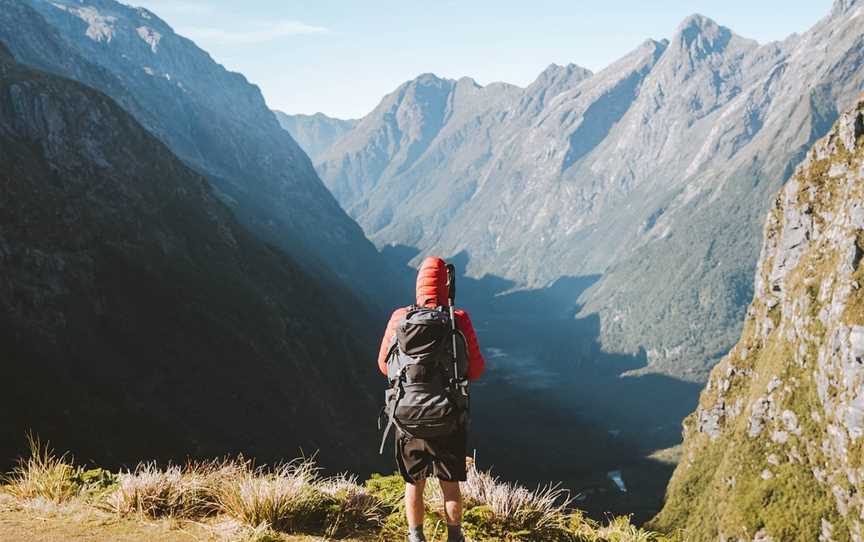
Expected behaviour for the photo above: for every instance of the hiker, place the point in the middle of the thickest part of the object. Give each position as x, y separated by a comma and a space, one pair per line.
429, 353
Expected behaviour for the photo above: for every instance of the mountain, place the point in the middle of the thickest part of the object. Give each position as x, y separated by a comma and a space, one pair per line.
138, 318
314, 133
774, 450
213, 119
652, 173
423, 119
682, 290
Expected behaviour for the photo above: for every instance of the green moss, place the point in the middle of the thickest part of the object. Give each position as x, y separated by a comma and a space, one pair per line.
722, 492
692, 484
389, 489
775, 314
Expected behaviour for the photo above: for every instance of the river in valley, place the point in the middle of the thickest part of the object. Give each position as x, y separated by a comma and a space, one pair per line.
553, 407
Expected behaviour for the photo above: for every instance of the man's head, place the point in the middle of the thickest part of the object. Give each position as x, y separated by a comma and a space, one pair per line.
432, 283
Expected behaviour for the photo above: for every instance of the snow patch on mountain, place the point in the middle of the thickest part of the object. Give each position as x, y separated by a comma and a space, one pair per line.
150, 36
99, 27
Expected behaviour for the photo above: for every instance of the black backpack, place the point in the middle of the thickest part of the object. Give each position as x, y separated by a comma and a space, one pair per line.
424, 399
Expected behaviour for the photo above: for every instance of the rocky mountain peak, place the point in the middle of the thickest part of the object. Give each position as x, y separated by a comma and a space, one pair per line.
702, 35
555, 74
427, 79
654, 45
554, 71
697, 23
467, 83
425, 90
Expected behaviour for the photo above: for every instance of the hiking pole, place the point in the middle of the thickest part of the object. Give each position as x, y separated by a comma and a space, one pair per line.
451, 299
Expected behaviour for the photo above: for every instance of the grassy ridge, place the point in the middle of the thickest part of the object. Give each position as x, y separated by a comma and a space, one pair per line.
271, 503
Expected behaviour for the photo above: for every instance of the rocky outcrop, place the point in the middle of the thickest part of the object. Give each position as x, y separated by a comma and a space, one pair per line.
775, 450
138, 318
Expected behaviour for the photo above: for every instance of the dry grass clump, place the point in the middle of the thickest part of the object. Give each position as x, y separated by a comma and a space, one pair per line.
44, 475
352, 507
492, 507
169, 492
618, 529
501, 511
512, 503
285, 498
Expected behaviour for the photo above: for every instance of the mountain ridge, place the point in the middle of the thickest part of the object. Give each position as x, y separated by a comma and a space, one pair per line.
616, 173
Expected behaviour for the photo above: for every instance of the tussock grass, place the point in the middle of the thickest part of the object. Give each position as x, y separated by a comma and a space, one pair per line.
169, 492
352, 507
44, 475
496, 507
260, 502
285, 498
495, 510
618, 529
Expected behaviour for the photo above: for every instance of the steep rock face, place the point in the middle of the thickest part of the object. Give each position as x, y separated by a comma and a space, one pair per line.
422, 121
314, 133
775, 450
137, 317
213, 119
659, 166
38, 41
703, 234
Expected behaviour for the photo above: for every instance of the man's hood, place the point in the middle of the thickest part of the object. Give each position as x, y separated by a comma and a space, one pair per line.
432, 283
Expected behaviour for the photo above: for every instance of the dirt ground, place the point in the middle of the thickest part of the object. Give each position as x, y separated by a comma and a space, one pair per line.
48, 523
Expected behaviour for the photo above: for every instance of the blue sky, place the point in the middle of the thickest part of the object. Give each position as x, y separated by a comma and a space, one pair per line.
341, 57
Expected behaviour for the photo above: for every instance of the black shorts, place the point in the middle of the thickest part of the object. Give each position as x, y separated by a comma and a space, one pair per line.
442, 457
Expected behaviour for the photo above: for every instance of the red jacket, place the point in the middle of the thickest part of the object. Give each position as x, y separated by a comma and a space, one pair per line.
432, 292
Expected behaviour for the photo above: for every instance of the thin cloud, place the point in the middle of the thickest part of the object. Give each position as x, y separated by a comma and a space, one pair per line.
260, 33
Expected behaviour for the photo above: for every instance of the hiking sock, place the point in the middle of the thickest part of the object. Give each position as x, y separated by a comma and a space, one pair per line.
454, 533
415, 534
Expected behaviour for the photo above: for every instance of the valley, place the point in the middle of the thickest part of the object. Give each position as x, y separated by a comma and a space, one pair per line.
553, 407
186, 274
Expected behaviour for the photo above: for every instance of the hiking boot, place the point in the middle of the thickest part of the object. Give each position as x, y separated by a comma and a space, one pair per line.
416, 535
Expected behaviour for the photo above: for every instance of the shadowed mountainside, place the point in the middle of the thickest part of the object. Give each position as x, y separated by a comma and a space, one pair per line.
138, 318
213, 119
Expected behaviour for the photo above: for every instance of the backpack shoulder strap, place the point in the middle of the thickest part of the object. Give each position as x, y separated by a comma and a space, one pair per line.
398, 391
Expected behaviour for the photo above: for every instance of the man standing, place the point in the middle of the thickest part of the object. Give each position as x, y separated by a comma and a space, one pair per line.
408, 345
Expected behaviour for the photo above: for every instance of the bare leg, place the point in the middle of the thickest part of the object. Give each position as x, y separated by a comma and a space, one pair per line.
452, 502
414, 503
